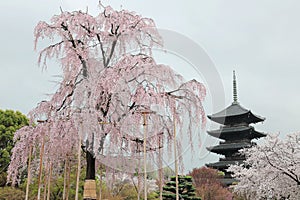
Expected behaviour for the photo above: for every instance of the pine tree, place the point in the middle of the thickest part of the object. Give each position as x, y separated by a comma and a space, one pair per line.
186, 189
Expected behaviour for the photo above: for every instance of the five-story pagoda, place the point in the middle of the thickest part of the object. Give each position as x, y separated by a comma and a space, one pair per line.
236, 132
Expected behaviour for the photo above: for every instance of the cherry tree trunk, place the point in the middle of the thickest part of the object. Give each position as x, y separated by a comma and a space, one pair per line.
90, 168
90, 183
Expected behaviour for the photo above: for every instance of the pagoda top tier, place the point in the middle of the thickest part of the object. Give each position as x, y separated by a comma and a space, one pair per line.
235, 113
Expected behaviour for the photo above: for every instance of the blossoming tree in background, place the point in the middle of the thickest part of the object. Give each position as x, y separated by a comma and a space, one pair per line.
271, 170
109, 81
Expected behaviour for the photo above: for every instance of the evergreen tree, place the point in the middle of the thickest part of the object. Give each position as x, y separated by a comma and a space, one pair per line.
186, 189
10, 122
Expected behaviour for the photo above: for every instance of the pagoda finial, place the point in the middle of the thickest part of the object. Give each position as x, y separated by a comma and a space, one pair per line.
234, 88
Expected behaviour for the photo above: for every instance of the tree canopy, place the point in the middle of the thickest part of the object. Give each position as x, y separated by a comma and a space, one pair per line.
208, 185
10, 122
271, 169
186, 190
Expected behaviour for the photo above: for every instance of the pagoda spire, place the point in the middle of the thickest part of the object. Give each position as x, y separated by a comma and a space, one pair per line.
234, 88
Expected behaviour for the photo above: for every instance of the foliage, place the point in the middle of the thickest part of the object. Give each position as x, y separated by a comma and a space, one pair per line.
10, 122
121, 189
208, 184
271, 170
240, 197
11, 193
127, 191
153, 196
205, 175
168, 173
3, 176
186, 189
57, 185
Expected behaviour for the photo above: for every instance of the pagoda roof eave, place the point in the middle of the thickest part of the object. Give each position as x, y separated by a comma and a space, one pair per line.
224, 132
235, 110
228, 181
221, 149
224, 164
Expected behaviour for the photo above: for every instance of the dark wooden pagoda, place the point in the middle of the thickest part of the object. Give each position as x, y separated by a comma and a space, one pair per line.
236, 133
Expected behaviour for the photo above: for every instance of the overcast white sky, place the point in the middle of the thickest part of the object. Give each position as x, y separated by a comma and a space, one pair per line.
260, 39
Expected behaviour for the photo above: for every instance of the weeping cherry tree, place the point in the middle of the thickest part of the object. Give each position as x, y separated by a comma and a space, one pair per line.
109, 79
